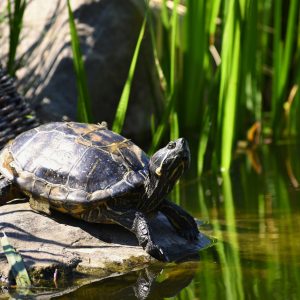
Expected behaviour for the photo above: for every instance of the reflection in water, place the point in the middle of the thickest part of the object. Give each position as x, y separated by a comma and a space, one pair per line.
232, 280
150, 283
153, 282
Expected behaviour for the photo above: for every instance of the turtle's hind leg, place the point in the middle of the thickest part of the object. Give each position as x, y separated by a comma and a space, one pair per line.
182, 221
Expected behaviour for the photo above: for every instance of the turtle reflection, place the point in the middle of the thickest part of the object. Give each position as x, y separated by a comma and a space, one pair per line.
149, 283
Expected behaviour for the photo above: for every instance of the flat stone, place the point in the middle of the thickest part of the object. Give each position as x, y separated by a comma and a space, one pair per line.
73, 246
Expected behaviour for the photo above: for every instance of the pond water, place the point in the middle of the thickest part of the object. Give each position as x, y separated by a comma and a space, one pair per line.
254, 213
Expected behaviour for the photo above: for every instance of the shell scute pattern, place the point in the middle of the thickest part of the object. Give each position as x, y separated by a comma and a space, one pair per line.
104, 171
41, 188
49, 126
73, 162
52, 163
58, 192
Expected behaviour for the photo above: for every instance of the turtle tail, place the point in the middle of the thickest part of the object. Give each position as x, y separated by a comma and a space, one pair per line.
5, 189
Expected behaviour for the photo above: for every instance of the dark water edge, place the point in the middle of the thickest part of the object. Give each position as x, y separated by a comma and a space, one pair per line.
254, 212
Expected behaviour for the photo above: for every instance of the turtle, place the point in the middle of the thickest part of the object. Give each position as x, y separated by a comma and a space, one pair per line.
99, 176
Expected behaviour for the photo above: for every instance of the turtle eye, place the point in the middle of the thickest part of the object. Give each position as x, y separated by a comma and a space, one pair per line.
171, 145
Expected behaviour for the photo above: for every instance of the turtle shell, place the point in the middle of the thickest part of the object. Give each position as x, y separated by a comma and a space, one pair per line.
70, 161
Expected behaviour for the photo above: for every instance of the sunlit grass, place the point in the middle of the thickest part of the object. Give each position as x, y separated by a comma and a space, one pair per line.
15, 13
123, 102
16, 264
84, 102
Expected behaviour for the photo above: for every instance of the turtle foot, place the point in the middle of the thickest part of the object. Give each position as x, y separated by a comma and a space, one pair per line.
144, 236
156, 252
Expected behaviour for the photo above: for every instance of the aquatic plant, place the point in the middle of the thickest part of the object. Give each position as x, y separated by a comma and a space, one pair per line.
227, 54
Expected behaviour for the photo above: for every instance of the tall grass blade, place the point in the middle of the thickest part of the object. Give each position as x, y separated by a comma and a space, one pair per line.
16, 263
203, 141
214, 11
249, 98
164, 14
15, 11
289, 43
194, 60
174, 24
123, 103
174, 134
170, 116
162, 127
282, 61
159, 70
84, 102
229, 82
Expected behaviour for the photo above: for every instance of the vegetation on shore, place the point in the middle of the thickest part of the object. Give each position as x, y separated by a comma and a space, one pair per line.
229, 71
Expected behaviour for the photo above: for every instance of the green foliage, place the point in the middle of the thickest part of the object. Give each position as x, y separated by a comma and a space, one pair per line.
16, 263
84, 103
283, 46
231, 51
123, 103
225, 67
219, 71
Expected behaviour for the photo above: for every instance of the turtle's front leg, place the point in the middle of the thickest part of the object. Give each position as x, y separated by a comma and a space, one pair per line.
136, 222
182, 221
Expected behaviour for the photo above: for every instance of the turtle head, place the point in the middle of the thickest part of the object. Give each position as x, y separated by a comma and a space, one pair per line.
171, 161
167, 165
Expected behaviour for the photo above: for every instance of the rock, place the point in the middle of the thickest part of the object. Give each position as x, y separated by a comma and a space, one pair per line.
73, 246
108, 31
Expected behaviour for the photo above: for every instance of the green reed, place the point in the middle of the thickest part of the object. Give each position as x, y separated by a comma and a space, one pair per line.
170, 116
227, 56
84, 102
16, 264
283, 45
15, 13
123, 102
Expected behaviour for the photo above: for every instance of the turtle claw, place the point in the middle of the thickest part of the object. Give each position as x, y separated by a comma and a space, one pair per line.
156, 252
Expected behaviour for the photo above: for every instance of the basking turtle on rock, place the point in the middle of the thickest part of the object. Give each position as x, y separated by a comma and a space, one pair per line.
92, 173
